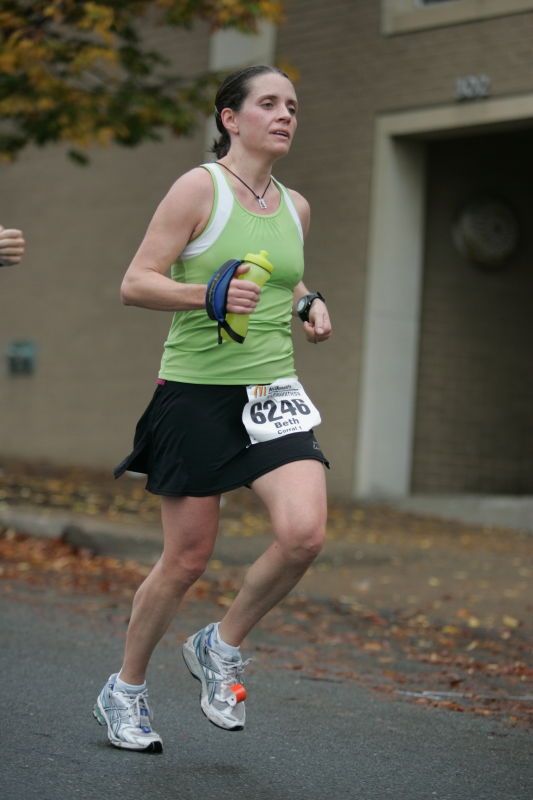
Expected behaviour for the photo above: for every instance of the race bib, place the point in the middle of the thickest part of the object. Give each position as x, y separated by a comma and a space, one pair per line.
276, 409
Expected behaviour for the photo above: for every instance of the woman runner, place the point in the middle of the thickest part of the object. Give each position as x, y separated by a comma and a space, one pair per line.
191, 441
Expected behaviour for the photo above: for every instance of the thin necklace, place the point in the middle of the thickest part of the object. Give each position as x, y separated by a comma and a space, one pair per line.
258, 197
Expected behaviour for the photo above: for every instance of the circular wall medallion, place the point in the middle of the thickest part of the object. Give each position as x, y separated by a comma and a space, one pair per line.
486, 232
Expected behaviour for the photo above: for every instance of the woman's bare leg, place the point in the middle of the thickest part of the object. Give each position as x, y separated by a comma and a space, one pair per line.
295, 495
190, 527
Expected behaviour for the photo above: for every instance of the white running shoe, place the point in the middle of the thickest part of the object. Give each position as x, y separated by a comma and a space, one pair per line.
128, 719
222, 695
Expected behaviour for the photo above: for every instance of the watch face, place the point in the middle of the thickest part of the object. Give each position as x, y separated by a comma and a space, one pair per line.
300, 305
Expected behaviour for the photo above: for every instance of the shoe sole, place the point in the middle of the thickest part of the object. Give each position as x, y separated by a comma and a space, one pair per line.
101, 718
194, 667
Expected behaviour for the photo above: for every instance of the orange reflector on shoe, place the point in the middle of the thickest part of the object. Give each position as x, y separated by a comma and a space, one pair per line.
239, 691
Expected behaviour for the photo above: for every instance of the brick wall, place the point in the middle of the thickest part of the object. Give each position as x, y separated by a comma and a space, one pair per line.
474, 430
349, 73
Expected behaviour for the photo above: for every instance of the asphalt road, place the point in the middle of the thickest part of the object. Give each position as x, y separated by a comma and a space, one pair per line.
305, 739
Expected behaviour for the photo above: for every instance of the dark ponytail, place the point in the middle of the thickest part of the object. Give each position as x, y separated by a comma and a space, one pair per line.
232, 93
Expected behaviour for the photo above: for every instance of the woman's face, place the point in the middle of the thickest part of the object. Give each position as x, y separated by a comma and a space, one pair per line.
266, 121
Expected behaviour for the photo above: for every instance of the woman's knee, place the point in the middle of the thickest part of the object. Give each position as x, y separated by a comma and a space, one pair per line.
302, 541
184, 568
190, 527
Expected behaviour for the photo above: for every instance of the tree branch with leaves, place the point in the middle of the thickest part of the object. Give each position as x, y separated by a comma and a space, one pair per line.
80, 73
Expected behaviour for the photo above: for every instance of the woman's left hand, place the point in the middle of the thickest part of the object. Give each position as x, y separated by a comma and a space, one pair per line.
318, 329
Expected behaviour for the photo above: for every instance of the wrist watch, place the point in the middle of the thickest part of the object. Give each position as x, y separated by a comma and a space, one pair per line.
303, 306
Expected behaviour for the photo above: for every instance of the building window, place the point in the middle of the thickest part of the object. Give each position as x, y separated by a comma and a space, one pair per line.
403, 16
21, 357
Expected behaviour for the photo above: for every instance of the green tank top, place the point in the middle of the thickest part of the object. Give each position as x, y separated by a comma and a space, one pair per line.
191, 352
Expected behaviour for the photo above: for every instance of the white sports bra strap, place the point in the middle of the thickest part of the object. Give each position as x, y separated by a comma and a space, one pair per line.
292, 209
222, 211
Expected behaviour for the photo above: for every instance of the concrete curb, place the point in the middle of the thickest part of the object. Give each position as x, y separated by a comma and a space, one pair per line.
100, 536
495, 511
143, 543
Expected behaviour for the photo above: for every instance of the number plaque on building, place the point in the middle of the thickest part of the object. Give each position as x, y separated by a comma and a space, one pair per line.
472, 87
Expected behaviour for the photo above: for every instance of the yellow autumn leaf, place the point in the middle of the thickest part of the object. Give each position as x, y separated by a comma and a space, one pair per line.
294, 76
96, 15
9, 20
16, 105
372, 647
54, 11
452, 630
8, 62
89, 55
104, 136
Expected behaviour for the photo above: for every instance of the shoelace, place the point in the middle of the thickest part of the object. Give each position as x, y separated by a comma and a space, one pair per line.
134, 704
230, 670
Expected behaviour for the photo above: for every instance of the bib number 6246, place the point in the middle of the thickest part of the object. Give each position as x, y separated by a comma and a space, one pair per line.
278, 409
269, 411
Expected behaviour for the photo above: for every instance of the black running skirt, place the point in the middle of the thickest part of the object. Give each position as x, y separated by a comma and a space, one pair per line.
191, 441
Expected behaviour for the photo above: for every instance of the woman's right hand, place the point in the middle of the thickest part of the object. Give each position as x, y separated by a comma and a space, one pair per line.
243, 295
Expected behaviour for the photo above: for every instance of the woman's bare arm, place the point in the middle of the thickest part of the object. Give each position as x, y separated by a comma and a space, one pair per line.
181, 216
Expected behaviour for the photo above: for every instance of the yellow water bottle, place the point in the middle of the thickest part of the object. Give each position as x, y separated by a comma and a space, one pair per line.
259, 272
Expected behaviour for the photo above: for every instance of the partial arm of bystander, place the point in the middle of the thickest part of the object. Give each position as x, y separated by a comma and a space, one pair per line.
12, 246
